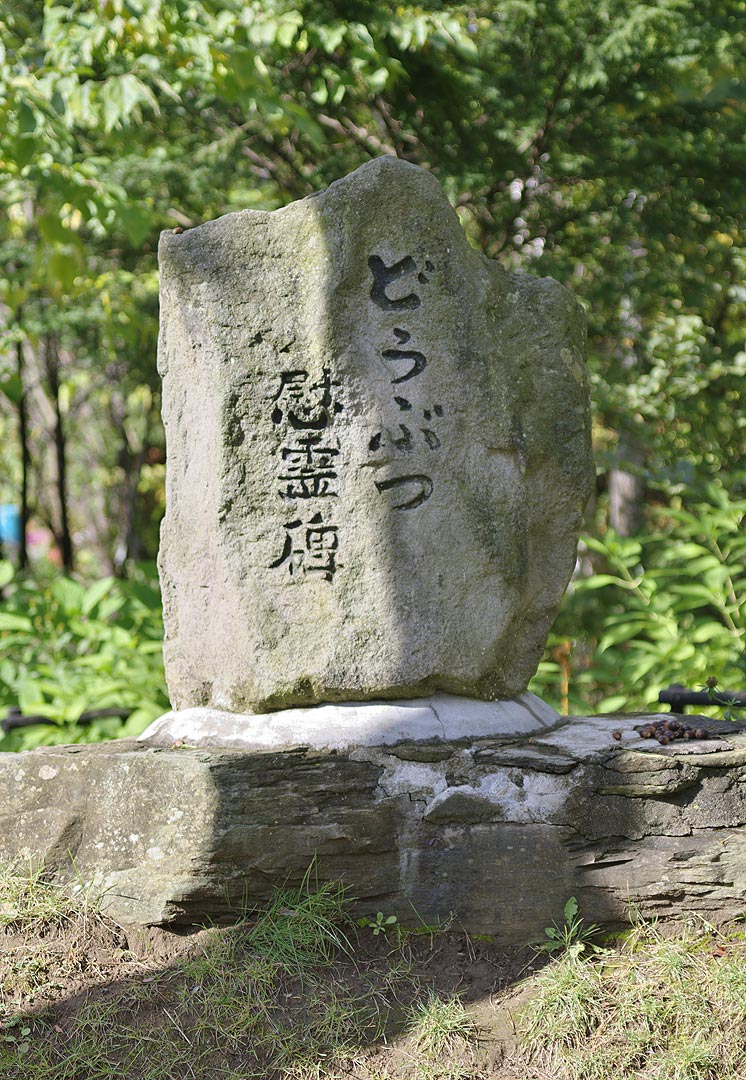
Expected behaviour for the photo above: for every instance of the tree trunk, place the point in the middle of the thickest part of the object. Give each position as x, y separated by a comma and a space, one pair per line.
130, 545
626, 483
53, 374
25, 456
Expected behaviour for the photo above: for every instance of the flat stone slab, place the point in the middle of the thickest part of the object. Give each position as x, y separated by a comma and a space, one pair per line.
498, 831
340, 727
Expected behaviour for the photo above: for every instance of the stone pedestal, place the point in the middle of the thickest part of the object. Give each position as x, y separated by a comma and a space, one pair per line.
496, 830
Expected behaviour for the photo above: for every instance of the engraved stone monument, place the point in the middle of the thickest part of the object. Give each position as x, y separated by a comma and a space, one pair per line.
378, 458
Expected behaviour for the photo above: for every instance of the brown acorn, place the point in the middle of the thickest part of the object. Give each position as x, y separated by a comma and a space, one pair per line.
616, 735
700, 733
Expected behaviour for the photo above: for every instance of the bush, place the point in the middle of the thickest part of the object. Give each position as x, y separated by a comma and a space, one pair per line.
67, 649
665, 607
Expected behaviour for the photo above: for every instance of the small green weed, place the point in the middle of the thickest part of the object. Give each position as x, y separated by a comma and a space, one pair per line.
573, 936
380, 925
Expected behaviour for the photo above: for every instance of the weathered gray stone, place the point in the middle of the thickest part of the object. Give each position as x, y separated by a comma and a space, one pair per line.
355, 723
378, 451
499, 835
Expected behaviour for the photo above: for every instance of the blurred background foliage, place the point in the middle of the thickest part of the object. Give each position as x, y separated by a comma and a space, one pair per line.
596, 141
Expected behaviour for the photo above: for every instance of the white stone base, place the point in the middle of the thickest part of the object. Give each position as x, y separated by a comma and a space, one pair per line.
365, 723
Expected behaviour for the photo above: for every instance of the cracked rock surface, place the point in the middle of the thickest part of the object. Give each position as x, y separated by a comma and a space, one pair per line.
497, 831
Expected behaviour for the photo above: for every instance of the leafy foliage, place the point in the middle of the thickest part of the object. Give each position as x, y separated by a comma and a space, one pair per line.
67, 649
665, 607
597, 141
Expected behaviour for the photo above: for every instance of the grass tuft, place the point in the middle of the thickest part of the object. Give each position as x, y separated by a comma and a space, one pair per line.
299, 928
443, 1037
29, 900
668, 1007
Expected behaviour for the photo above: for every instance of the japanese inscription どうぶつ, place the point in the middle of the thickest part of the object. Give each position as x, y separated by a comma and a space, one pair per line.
404, 363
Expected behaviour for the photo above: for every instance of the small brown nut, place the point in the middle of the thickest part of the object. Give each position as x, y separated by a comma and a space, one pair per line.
616, 735
700, 733
663, 740
178, 229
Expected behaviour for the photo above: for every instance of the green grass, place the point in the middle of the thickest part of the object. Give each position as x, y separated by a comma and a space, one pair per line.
442, 1034
29, 900
293, 991
281, 994
663, 1006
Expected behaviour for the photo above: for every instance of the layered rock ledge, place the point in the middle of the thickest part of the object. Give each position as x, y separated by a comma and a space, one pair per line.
496, 830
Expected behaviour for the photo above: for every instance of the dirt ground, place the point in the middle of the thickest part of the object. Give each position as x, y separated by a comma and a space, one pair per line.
54, 978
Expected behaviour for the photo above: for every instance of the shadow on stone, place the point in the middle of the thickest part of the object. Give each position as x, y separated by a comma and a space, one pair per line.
496, 833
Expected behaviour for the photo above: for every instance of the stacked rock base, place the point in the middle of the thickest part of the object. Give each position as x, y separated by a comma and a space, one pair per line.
495, 830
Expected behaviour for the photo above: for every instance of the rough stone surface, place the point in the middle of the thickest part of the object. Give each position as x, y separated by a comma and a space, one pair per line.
378, 451
498, 832
341, 727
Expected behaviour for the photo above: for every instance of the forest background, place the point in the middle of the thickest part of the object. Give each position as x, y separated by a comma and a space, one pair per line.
600, 142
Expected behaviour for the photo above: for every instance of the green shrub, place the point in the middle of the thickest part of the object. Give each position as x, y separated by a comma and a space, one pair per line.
668, 606
66, 649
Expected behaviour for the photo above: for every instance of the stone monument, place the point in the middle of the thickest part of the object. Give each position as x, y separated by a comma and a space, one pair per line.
378, 459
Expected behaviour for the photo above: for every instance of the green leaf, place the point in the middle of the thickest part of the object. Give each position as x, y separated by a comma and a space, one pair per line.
147, 596
330, 36
94, 594
69, 594
11, 386
137, 222
623, 632
111, 605
122, 96
52, 229
598, 581
709, 632
62, 269
571, 909
613, 703
14, 622
288, 27
23, 149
